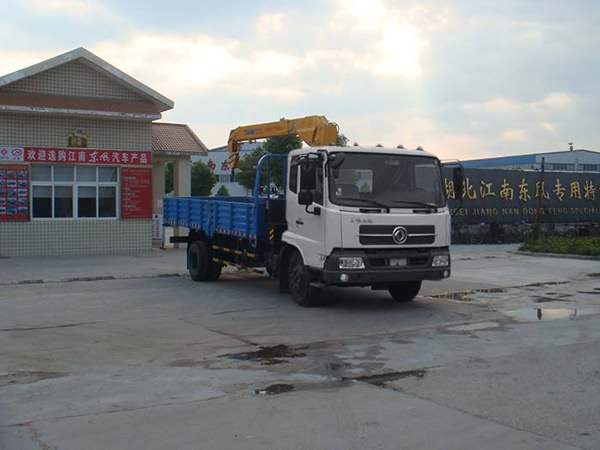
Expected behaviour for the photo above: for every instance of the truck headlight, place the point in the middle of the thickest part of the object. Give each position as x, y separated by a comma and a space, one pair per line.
440, 261
351, 262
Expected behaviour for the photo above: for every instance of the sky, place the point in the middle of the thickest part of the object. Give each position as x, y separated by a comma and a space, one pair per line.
461, 78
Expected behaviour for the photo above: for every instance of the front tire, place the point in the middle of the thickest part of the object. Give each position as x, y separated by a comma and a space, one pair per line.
299, 282
405, 291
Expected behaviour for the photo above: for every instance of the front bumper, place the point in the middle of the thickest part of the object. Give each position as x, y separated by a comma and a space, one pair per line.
377, 270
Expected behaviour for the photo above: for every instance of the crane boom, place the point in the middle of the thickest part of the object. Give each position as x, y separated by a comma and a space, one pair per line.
314, 130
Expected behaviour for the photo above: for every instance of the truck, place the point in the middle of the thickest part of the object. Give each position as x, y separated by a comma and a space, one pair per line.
345, 216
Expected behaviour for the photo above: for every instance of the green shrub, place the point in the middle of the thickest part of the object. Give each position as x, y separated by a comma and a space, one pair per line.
577, 245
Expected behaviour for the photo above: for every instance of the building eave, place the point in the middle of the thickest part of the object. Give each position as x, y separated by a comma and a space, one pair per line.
80, 113
176, 153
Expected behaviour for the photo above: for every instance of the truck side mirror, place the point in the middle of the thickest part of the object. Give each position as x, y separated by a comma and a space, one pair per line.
305, 197
458, 175
308, 176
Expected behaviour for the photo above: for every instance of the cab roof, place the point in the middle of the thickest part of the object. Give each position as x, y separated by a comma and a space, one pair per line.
353, 149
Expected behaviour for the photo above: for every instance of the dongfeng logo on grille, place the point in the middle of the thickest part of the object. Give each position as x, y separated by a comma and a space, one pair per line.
400, 235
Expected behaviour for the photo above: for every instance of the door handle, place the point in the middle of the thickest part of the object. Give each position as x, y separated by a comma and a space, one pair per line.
299, 222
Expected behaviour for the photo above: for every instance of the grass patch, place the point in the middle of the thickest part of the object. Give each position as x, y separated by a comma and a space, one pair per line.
578, 245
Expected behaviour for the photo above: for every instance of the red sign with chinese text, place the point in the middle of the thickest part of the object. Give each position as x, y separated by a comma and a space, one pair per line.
14, 193
136, 193
87, 156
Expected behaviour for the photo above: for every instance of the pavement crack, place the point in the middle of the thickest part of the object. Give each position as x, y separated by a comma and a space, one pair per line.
112, 411
50, 327
222, 333
231, 311
478, 416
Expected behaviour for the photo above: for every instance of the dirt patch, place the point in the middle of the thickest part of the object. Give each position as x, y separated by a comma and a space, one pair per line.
274, 389
269, 356
27, 377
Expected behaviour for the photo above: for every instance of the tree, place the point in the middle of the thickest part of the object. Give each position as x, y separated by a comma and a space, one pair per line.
341, 140
246, 171
168, 178
223, 191
203, 180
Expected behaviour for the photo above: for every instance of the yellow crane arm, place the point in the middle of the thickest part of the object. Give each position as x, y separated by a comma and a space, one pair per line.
314, 130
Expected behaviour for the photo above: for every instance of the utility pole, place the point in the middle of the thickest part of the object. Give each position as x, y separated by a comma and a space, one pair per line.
536, 228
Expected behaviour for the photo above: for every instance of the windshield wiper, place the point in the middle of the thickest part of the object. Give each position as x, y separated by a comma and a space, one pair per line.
368, 200
419, 204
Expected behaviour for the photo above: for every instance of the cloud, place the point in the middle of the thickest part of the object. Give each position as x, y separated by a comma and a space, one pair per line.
548, 126
515, 136
14, 60
77, 9
555, 101
270, 24
363, 16
398, 52
178, 65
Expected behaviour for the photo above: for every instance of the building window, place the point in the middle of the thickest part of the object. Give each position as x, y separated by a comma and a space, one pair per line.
74, 192
293, 182
561, 166
591, 167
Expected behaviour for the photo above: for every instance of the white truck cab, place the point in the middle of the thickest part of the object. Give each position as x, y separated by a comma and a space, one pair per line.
359, 216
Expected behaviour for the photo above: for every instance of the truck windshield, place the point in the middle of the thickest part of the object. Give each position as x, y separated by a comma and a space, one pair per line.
384, 180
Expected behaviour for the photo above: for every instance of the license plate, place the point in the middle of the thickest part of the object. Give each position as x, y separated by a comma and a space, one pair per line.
397, 262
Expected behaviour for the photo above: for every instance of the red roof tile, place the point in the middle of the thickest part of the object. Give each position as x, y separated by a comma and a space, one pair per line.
173, 138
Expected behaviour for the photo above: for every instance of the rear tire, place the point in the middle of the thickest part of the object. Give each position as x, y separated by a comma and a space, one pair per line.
405, 291
214, 271
299, 282
200, 264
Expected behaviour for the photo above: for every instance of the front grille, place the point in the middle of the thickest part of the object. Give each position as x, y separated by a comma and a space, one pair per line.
414, 258
382, 234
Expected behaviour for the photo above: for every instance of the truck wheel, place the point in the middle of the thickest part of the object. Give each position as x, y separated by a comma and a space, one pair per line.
214, 271
299, 282
406, 291
198, 261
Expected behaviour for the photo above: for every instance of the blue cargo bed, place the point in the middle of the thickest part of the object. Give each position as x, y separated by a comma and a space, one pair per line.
243, 217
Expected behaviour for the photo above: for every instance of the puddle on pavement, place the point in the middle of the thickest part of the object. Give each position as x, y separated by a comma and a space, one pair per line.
474, 326
535, 314
269, 355
185, 363
274, 389
382, 378
547, 283
465, 296
459, 296
27, 377
558, 298
491, 290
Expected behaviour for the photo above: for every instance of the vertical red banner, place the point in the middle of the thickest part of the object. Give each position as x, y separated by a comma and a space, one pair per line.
136, 193
14, 193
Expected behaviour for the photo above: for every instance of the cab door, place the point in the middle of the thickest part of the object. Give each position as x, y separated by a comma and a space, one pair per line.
306, 222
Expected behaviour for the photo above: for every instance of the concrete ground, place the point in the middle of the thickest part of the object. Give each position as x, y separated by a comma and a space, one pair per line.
502, 355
